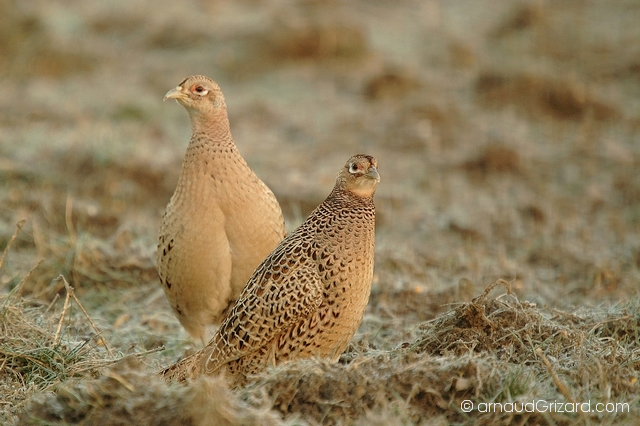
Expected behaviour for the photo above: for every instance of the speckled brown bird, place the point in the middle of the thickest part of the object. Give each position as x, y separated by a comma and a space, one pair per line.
308, 297
221, 221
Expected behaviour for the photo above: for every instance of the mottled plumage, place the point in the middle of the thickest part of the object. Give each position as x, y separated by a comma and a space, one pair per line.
308, 297
221, 221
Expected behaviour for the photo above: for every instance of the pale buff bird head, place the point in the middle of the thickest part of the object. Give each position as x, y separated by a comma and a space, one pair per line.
199, 95
359, 175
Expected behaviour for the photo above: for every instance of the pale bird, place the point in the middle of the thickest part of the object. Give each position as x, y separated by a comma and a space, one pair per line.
221, 221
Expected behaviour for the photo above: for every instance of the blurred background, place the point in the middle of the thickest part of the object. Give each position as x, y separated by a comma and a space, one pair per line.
507, 135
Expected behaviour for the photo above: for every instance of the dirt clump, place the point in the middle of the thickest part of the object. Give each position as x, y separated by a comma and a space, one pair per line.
540, 97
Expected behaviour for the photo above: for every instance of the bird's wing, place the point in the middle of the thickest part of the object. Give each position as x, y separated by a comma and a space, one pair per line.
278, 295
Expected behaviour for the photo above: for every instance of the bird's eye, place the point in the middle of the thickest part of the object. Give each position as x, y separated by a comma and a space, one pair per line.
200, 90
353, 168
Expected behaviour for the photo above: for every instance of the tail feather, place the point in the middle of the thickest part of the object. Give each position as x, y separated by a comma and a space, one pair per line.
188, 368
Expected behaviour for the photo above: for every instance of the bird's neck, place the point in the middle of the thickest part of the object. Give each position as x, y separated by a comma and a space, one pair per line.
211, 151
341, 195
211, 129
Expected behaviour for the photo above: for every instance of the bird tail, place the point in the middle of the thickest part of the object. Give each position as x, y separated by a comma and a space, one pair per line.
188, 368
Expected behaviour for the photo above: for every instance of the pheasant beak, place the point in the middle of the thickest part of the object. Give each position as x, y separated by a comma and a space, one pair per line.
175, 93
373, 174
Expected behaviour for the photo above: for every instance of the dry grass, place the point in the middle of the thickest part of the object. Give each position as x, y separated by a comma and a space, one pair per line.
487, 351
36, 356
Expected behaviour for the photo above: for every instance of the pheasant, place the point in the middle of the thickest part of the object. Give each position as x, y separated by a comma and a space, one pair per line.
307, 298
221, 221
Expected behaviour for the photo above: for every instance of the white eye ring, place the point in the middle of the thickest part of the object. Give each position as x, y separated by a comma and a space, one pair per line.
353, 168
200, 90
